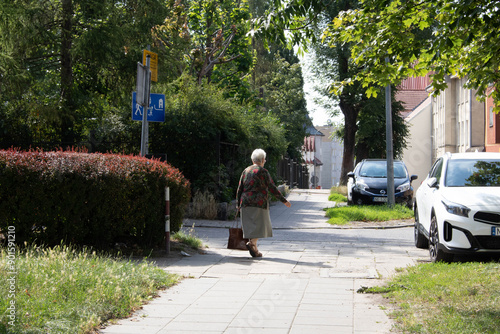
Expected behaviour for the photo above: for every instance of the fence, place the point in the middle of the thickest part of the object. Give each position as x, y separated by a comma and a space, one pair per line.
293, 173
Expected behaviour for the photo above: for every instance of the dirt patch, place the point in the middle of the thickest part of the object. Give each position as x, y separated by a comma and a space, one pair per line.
382, 224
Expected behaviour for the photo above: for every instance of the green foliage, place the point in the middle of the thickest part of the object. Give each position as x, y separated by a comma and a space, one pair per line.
200, 116
53, 82
462, 296
88, 199
445, 37
371, 134
284, 98
345, 214
289, 22
217, 47
63, 290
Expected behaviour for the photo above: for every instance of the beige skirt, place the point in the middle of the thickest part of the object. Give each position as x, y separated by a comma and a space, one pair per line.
256, 223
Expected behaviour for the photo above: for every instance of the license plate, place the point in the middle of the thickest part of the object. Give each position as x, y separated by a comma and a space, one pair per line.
495, 230
380, 199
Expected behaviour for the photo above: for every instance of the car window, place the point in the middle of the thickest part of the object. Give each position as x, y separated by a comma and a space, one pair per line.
436, 169
399, 171
473, 173
379, 169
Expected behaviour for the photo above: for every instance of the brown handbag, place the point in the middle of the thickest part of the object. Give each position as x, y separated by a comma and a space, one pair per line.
236, 240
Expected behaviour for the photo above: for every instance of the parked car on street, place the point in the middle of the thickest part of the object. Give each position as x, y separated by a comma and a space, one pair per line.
457, 207
367, 184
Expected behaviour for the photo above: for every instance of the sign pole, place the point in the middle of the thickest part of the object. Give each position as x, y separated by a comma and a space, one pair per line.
144, 132
167, 219
389, 148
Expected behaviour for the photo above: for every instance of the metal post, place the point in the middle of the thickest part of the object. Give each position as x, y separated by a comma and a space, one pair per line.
144, 133
167, 219
389, 148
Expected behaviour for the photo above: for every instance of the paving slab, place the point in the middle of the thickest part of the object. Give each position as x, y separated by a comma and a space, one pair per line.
306, 281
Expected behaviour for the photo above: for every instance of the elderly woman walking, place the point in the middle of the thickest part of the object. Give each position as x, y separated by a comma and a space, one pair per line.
253, 201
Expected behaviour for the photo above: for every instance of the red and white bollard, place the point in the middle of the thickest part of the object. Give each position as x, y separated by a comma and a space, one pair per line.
167, 219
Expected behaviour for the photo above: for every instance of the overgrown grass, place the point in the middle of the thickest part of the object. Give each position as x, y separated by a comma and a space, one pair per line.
339, 190
204, 206
345, 214
188, 239
446, 298
338, 194
63, 290
337, 198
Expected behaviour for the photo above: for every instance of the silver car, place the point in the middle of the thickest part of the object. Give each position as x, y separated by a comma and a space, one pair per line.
457, 207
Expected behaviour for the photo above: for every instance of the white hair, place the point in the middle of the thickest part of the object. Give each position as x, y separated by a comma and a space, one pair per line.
258, 155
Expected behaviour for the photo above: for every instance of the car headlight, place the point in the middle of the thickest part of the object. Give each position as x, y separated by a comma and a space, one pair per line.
404, 187
360, 185
456, 209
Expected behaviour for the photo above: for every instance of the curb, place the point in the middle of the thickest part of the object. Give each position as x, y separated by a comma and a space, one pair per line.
228, 224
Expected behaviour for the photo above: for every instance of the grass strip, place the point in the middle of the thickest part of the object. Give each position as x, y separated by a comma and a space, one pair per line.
345, 214
63, 290
336, 197
446, 298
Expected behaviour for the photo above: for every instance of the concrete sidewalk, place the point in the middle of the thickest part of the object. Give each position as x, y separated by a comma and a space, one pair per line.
305, 282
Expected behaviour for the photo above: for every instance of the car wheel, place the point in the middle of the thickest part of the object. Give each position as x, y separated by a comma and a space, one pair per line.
435, 253
356, 200
409, 204
420, 240
349, 200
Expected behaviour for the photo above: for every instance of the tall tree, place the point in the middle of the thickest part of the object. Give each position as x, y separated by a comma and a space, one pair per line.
363, 131
463, 41
73, 57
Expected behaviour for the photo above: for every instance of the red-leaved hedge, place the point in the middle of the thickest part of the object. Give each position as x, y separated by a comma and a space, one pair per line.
88, 199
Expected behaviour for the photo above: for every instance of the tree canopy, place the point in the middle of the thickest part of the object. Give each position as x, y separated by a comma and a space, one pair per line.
443, 37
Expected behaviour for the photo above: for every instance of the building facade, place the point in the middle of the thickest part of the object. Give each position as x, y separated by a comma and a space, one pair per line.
332, 150
457, 120
492, 126
322, 154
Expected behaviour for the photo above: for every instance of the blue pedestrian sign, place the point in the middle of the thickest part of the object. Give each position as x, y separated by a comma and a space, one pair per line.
156, 110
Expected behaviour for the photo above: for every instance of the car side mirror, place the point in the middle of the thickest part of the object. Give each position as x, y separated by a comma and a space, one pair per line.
413, 177
432, 182
350, 174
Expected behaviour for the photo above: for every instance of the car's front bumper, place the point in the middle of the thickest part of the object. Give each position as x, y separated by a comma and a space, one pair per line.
371, 198
465, 235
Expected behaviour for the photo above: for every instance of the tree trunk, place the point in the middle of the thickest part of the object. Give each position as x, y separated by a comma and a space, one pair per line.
350, 110
67, 132
350, 128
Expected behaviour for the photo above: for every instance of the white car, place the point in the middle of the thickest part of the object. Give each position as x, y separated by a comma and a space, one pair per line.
457, 207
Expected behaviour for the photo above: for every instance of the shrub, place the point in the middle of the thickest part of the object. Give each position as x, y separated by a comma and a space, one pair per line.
88, 199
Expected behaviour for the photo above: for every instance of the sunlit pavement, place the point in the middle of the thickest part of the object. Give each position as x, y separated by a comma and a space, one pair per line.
306, 281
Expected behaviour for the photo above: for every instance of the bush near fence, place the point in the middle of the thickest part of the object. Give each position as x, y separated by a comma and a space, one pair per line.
88, 199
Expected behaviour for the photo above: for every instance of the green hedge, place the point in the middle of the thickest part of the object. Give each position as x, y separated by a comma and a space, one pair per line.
88, 199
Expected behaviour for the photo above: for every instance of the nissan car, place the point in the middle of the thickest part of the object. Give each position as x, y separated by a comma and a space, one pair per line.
367, 184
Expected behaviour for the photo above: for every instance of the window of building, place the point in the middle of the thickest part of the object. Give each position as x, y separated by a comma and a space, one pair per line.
491, 117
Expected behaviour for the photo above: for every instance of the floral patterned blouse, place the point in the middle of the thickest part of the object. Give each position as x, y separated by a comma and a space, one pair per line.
255, 185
